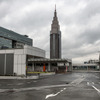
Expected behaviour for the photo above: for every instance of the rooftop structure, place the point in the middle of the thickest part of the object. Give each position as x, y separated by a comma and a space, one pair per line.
10, 39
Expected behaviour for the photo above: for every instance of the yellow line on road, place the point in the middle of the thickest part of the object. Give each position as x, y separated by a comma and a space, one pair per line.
37, 72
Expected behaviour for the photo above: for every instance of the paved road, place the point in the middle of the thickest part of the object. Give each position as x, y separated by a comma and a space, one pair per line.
70, 86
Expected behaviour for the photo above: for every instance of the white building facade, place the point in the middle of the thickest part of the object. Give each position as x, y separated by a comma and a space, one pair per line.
14, 61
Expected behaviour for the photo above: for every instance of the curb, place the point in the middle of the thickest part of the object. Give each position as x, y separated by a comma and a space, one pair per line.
13, 77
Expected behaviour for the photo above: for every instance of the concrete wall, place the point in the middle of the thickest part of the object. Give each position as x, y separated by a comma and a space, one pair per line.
19, 62
34, 51
19, 66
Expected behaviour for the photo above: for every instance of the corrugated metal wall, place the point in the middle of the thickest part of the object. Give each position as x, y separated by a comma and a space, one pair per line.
9, 64
6, 64
2, 63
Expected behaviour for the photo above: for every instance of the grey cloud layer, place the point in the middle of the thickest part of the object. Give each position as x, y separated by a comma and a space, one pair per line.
79, 21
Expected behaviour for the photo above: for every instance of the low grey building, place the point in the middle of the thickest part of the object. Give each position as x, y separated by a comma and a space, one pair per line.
86, 66
51, 65
14, 61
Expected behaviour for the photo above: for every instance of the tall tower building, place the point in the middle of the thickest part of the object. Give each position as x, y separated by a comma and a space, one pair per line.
55, 38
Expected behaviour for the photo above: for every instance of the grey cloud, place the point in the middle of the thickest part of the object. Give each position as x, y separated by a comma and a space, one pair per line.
90, 36
72, 46
92, 8
36, 22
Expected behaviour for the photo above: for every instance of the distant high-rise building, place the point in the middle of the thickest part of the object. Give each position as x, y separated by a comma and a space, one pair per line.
55, 38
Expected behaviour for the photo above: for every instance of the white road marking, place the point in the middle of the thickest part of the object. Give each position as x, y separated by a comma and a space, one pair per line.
88, 83
35, 88
77, 81
3, 90
51, 86
61, 90
92, 82
96, 89
52, 95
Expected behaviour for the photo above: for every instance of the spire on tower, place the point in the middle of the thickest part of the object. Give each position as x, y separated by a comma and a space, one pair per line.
55, 7
55, 23
55, 13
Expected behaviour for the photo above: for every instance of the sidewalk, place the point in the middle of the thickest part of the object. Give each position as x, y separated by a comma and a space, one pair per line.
28, 77
86, 71
17, 77
46, 74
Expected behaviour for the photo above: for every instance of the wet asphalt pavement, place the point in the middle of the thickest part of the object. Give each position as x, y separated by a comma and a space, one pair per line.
69, 86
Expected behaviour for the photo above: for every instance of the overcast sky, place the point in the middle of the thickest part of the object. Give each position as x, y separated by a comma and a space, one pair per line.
79, 23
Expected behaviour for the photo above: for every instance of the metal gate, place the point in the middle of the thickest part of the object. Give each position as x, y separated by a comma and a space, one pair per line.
6, 64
